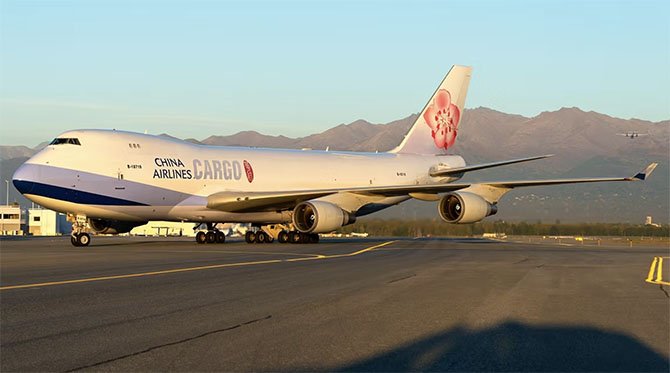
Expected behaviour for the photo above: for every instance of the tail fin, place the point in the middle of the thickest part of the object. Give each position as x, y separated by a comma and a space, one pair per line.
436, 127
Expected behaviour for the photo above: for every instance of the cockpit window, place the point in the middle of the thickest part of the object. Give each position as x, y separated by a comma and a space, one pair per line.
65, 140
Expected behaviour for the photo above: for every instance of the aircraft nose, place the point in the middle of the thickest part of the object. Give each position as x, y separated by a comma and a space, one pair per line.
25, 177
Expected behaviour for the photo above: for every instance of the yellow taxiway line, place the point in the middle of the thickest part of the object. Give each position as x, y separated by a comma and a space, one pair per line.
190, 269
342, 255
656, 269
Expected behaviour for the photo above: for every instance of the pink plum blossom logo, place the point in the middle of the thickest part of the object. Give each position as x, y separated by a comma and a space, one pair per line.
442, 117
248, 170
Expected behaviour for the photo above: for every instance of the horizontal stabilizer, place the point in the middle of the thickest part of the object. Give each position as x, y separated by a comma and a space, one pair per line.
461, 170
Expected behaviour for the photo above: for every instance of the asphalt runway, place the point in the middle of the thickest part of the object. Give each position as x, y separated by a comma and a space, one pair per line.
168, 304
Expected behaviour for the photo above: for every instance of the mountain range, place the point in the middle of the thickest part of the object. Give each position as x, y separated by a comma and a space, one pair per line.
584, 144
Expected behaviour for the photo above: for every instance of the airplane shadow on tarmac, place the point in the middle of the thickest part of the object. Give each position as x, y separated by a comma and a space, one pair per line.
513, 346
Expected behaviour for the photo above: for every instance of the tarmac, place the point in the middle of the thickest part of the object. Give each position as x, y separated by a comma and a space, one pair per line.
169, 304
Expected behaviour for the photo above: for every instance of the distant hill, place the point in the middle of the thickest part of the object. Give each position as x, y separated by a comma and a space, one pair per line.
584, 144
251, 138
8, 151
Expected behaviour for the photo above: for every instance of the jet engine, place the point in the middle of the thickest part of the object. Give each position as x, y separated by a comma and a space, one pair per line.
104, 226
320, 217
464, 207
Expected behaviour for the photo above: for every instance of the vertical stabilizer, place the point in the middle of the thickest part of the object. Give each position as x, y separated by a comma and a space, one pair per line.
436, 128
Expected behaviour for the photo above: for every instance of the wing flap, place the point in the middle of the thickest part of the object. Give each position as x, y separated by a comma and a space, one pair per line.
260, 201
642, 175
493, 191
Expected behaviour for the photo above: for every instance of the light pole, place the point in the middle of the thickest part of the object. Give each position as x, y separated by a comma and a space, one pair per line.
7, 198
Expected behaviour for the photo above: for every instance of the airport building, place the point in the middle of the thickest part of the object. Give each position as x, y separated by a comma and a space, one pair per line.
11, 220
164, 228
184, 229
648, 221
43, 222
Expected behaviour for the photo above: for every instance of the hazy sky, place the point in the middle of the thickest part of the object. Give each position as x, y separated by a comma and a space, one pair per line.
197, 68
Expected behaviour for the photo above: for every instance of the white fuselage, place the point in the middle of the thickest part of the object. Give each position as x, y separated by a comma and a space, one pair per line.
130, 176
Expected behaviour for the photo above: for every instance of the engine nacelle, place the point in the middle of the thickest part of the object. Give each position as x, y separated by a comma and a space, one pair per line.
464, 207
320, 217
104, 226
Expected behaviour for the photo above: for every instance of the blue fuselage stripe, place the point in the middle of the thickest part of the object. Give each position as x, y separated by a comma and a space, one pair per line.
70, 195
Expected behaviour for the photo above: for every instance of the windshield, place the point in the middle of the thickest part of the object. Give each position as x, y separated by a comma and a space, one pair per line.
65, 140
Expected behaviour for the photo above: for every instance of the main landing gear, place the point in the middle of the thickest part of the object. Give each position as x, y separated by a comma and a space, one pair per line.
299, 237
212, 235
283, 236
258, 235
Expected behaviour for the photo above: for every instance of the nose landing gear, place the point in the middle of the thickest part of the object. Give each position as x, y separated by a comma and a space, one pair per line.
80, 239
79, 236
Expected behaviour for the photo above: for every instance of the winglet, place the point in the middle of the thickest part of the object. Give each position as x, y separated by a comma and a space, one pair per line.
645, 173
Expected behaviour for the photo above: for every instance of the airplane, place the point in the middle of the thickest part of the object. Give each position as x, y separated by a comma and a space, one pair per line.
632, 134
109, 181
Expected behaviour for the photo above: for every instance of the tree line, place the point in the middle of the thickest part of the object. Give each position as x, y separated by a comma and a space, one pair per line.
436, 227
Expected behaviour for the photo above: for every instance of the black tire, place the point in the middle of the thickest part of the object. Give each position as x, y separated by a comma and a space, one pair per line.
201, 237
250, 237
220, 237
261, 237
307, 238
314, 238
210, 237
74, 240
269, 239
283, 237
295, 237
83, 239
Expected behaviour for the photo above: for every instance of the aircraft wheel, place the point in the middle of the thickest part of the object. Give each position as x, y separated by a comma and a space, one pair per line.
269, 239
73, 240
220, 237
250, 237
83, 239
210, 237
283, 237
314, 238
261, 237
201, 237
295, 237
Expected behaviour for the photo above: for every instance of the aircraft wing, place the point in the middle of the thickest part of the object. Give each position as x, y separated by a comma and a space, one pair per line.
493, 191
634, 134
268, 201
238, 201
